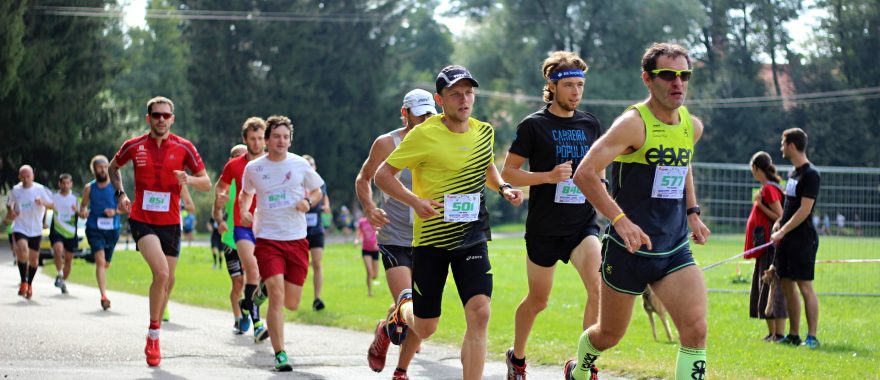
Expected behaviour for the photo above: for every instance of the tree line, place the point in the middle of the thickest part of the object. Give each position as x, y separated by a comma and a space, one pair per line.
76, 86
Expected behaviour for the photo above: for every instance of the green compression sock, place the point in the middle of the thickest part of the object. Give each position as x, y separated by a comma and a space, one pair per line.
691, 364
587, 355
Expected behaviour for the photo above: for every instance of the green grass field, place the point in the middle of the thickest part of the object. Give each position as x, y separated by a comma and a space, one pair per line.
848, 328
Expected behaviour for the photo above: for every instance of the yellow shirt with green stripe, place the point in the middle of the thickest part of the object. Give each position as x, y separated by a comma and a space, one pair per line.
444, 162
648, 184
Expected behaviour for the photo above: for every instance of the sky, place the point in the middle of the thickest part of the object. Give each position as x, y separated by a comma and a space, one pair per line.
800, 30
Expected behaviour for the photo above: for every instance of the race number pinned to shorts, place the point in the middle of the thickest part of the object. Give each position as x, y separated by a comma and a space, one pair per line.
791, 187
156, 201
461, 207
278, 199
311, 220
568, 192
669, 182
105, 224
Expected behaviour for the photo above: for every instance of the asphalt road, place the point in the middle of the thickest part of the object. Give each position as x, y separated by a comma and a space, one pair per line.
55, 336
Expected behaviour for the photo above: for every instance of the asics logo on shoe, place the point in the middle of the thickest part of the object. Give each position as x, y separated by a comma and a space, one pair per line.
668, 156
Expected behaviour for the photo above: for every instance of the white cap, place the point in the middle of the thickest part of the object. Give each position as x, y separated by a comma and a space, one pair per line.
419, 102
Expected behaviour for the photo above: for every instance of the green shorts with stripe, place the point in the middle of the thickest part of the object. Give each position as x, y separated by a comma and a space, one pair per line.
629, 273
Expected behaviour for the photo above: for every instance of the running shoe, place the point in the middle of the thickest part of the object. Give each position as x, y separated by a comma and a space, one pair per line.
792, 340
245, 317
22, 289
166, 316
260, 332
514, 372
812, 343
154, 355
568, 370
261, 295
399, 375
30, 292
318, 305
379, 348
63, 287
281, 363
58, 281
236, 327
396, 327
105, 303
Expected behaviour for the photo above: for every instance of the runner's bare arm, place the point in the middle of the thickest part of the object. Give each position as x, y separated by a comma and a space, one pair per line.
626, 135
244, 207
494, 182
188, 203
199, 181
381, 149
84, 204
387, 182
799, 217
221, 196
116, 179
513, 173
699, 232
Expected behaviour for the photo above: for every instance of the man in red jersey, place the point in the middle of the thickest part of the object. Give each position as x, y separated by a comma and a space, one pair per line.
252, 134
160, 160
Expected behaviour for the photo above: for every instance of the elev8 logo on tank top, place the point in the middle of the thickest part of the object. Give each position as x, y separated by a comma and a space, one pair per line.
668, 156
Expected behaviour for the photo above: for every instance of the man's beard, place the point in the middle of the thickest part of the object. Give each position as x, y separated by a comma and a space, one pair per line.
101, 178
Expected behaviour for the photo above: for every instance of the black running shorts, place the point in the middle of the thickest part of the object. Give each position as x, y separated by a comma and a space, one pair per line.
547, 250
796, 255
316, 240
470, 269
69, 244
629, 273
396, 256
33, 242
168, 235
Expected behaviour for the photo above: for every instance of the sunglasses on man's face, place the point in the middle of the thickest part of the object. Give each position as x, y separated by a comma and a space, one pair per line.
669, 75
158, 115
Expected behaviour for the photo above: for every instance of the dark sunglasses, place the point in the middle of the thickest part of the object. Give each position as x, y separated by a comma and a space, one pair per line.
669, 75
157, 115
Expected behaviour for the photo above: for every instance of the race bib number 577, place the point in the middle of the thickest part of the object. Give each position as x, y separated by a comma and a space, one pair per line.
669, 182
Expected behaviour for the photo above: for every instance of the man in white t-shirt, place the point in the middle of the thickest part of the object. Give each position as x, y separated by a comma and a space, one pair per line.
62, 233
26, 206
280, 180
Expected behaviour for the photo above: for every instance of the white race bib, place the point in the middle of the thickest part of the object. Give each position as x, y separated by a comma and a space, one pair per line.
791, 187
311, 220
156, 201
105, 224
278, 199
669, 182
461, 207
568, 192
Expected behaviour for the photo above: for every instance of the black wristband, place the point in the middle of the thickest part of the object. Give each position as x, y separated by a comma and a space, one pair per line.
309, 202
119, 193
693, 210
502, 187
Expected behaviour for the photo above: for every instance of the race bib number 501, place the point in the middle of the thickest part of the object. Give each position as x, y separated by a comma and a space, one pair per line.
461, 207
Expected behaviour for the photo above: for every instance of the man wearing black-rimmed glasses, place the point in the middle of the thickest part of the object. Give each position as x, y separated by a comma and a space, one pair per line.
160, 159
651, 205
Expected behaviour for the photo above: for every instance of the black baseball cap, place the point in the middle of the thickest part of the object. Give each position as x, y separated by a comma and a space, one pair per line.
451, 75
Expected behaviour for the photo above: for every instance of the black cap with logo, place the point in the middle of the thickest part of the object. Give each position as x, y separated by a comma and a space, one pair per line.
450, 75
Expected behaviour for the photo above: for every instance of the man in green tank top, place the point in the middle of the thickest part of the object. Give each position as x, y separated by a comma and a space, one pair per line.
652, 205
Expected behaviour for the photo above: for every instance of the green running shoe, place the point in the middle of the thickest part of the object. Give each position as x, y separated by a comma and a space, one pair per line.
281, 363
166, 316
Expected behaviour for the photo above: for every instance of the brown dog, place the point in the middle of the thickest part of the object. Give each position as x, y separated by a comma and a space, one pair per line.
652, 305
